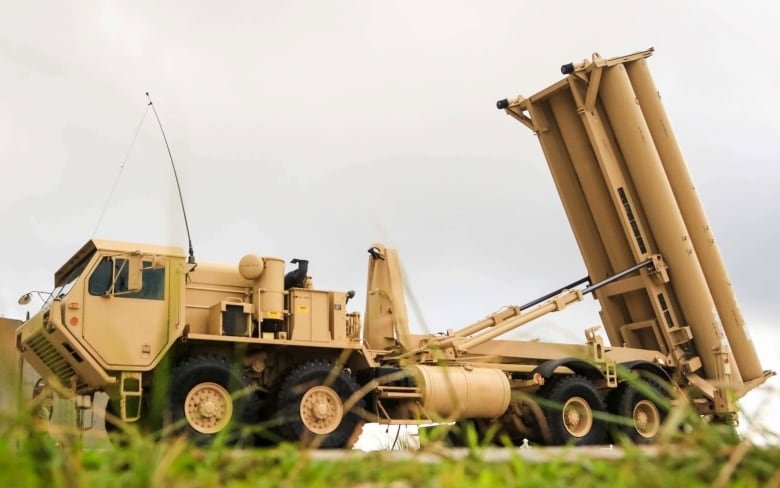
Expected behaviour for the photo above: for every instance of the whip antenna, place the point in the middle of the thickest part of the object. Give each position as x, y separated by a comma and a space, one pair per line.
121, 169
191, 258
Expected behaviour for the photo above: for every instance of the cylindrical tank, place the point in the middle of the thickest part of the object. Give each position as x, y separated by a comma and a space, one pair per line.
666, 221
251, 266
267, 286
271, 289
455, 392
695, 220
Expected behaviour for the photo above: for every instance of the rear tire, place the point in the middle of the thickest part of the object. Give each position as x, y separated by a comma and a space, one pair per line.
311, 410
644, 412
571, 420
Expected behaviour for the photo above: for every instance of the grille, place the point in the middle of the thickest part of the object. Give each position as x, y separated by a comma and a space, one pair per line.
52, 359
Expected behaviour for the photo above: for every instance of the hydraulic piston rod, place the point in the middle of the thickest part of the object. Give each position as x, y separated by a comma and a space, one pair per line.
510, 312
554, 304
513, 317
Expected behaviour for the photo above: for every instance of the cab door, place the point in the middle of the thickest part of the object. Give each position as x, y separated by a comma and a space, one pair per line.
126, 323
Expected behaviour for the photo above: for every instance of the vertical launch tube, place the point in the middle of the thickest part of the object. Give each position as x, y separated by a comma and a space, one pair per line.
666, 221
695, 220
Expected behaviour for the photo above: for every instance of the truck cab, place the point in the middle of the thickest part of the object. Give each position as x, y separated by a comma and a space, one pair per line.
115, 307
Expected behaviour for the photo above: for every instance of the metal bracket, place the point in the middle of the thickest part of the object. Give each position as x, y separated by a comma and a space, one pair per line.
607, 367
593, 89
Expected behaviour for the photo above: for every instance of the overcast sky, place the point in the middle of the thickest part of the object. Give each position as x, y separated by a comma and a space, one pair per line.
313, 129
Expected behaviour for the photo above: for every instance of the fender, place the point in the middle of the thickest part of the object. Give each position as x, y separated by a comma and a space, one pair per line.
641, 366
579, 366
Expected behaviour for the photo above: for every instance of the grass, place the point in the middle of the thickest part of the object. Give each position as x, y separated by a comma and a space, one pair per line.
707, 456
702, 454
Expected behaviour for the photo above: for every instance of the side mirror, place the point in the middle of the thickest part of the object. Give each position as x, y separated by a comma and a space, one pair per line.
127, 274
135, 273
25, 299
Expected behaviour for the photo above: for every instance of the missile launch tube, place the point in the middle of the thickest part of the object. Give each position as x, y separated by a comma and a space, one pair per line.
695, 220
666, 222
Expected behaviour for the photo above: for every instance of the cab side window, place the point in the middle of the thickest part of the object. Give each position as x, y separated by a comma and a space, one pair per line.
153, 283
100, 281
153, 280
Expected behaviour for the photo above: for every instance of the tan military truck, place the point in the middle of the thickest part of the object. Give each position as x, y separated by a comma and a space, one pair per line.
227, 349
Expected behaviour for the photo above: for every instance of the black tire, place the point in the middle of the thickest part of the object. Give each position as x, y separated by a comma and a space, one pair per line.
309, 384
571, 418
208, 396
644, 412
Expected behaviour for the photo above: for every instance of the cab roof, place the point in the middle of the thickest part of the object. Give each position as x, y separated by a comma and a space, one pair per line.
93, 245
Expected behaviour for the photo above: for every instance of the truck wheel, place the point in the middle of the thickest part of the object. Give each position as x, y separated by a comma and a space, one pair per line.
646, 415
310, 406
571, 419
203, 398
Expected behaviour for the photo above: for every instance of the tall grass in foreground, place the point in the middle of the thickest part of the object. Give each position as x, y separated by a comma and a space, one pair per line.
701, 455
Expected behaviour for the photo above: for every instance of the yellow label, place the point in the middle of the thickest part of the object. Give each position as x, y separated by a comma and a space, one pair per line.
303, 309
274, 315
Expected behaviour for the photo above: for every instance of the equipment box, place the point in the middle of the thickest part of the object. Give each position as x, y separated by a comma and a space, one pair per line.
231, 319
310, 317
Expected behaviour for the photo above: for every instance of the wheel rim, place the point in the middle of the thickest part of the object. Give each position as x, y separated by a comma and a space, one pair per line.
321, 410
647, 419
577, 416
208, 408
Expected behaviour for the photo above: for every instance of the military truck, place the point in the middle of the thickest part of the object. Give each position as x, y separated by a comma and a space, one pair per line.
224, 349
